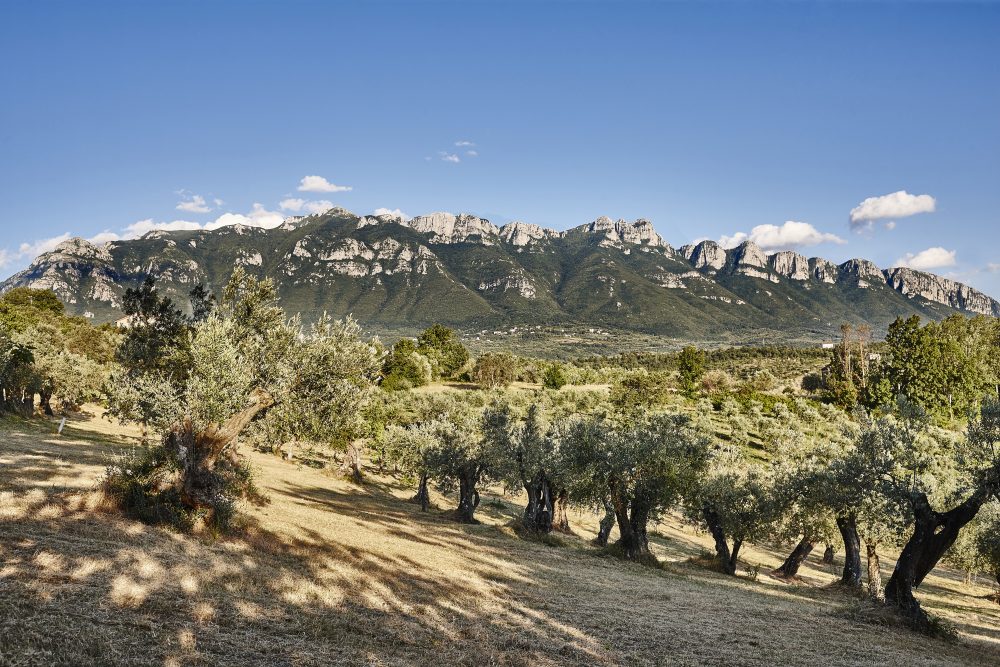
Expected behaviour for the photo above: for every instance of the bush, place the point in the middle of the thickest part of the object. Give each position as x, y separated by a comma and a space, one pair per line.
144, 483
554, 377
494, 370
138, 483
716, 382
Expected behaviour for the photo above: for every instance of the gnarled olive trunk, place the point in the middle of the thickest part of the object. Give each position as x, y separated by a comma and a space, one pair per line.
423, 497
874, 572
351, 465
468, 495
560, 519
539, 510
607, 523
45, 401
727, 558
795, 559
200, 451
848, 526
933, 533
632, 518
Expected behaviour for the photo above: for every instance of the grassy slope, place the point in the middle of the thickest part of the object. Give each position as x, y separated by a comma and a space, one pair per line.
340, 574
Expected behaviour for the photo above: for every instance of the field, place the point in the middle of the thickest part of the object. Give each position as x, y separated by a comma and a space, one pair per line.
332, 573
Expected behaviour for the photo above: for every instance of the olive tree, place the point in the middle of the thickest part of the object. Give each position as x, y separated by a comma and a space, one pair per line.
977, 472
409, 448
494, 370
460, 457
244, 362
18, 378
641, 468
736, 503
868, 507
527, 456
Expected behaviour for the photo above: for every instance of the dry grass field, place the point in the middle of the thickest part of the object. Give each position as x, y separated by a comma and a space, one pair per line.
333, 573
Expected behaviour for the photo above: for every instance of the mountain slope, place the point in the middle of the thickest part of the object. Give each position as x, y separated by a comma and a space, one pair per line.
465, 271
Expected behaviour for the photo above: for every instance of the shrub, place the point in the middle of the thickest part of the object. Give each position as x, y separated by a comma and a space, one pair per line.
554, 377
716, 382
494, 370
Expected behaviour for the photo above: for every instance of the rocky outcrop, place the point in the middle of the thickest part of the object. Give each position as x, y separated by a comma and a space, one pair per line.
449, 228
522, 233
66, 268
708, 255
747, 259
823, 270
391, 269
861, 270
910, 282
789, 265
748, 253
621, 234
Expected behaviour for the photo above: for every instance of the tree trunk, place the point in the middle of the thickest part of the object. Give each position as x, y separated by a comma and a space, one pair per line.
199, 452
468, 498
351, 465
560, 519
423, 497
45, 401
607, 523
874, 572
539, 510
795, 559
828, 555
631, 526
727, 559
734, 556
933, 533
848, 526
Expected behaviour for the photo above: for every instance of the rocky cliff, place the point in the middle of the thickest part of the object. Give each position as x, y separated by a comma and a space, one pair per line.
463, 269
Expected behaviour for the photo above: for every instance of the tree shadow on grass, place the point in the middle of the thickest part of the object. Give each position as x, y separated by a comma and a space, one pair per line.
81, 586
335, 577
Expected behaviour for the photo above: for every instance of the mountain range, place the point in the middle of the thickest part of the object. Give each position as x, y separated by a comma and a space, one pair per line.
395, 272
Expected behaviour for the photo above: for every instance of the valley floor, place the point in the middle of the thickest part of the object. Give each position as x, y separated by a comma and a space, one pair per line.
338, 574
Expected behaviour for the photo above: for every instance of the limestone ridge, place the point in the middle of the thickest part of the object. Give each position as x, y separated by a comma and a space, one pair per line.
463, 269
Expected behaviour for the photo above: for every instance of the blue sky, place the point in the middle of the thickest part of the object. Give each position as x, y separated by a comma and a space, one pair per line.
713, 120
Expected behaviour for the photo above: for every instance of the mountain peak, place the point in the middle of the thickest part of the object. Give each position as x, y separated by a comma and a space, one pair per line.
607, 271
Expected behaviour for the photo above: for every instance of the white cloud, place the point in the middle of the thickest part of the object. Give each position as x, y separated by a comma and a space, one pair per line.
790, 235
309, 207
193, 204
32, 250
292, 204
319, 206
472, 153
734, 240
137, 229
395, 212
449, 157
257, 217
932, 258
891, 225
464, 144
896, 205
320, 184
104, 237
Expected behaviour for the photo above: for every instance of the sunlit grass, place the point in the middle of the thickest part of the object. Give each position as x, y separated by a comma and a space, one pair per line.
333, 573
